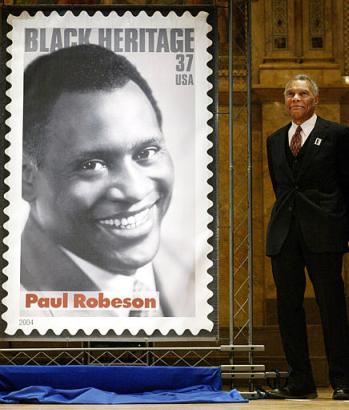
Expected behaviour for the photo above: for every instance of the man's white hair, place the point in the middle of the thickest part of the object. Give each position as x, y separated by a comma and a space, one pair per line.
303, 77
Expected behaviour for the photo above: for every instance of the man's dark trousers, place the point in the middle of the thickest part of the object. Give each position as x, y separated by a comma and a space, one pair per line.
324, 270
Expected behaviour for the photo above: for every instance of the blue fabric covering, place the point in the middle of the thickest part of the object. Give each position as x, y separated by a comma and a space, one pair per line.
112, 385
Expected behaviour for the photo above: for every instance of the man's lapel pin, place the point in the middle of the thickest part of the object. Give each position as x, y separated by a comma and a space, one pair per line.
318, 141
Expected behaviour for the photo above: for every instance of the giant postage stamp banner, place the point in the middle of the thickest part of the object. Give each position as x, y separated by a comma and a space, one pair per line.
109, 202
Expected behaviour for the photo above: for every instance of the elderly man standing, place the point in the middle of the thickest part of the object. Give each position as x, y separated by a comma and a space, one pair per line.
308, 163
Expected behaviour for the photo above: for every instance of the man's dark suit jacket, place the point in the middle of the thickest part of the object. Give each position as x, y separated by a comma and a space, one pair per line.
318, 196
45, 267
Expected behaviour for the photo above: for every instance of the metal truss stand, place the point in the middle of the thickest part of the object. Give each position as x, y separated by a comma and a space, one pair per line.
240, 221
132, 355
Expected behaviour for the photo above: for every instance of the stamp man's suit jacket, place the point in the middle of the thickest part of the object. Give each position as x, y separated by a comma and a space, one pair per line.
45, 267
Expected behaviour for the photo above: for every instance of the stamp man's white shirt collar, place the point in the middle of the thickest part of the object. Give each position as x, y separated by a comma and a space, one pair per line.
109, 281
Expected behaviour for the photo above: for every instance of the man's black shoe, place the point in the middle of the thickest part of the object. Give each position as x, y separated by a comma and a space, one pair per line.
289, 392
341, 393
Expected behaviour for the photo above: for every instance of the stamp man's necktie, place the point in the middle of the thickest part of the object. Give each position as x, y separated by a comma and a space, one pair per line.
141, 288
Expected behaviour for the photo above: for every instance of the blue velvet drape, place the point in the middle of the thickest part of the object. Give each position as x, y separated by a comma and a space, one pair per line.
112, 385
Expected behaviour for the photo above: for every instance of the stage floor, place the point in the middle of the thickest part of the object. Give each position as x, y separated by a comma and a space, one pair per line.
323, 402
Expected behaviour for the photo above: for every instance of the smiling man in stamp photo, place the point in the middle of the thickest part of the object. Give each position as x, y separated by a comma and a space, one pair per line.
96, 173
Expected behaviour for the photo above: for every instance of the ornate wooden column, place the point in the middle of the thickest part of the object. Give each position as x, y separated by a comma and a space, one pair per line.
301, 36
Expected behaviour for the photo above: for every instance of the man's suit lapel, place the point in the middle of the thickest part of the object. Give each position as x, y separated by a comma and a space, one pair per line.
45, 266
280, 151
315, 144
